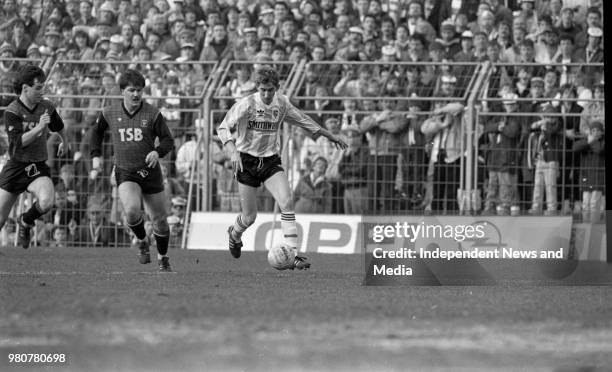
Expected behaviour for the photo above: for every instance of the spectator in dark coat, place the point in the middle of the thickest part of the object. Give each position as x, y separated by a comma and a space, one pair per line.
592, 171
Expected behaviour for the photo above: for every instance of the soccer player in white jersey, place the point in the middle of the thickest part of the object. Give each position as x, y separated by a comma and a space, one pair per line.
250, 135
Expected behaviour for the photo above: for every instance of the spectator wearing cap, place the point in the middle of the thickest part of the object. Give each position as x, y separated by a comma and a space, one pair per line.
33, 52
218, 46
593, 53
107, 13
545, 152
354, 50
467, 48
502, 158
451, 45
52, 40
266, 17
7, 68
485, 24
592, 171
25, 13
86, 18
116, 50
416, 24
248, 46
567, 26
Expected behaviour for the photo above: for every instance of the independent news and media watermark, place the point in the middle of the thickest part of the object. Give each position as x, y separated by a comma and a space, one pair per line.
448, 250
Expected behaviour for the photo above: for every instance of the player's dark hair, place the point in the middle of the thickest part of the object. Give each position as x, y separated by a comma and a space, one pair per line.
131, 77
266, 75
26, 75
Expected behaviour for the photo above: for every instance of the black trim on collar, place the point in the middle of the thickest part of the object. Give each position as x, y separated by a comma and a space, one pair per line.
131, 116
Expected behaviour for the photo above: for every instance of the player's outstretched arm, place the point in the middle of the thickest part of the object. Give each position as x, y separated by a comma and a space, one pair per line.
296, 117
337, 141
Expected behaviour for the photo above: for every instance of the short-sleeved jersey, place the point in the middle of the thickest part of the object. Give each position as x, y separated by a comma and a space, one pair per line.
255, 126
133, 135
19, 119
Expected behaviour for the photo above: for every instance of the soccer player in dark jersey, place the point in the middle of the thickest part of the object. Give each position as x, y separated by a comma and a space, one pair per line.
28, 120
135, 125
250, 134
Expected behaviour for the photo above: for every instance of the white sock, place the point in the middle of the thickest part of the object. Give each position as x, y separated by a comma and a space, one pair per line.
289, 228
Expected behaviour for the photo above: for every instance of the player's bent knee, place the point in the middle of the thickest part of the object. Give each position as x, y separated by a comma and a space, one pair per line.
132, 215
45, 202
160, 227
285, 205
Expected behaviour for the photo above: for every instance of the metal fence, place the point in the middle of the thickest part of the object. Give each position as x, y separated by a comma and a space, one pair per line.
433, 152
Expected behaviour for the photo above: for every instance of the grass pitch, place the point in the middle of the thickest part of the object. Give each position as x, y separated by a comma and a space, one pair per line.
106, 312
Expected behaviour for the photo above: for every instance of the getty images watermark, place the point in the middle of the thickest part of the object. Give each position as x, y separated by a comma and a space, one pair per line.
449, 250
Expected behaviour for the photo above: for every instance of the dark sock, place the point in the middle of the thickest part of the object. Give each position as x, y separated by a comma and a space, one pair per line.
162, 243
32, 214
139, 229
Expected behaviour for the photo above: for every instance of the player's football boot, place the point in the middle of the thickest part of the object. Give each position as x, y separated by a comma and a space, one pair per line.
300, 263
164, 265
23, 236
235, 246
144, 257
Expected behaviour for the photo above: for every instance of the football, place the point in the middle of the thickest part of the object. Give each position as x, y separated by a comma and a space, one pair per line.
280, 256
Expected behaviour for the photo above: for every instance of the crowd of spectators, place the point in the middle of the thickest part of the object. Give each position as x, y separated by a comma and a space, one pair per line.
372, 66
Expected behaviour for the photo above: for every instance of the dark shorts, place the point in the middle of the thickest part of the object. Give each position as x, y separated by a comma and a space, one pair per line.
257, 170
17, 176
150, 180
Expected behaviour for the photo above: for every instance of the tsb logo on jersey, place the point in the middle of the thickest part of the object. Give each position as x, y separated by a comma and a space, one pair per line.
130, 134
